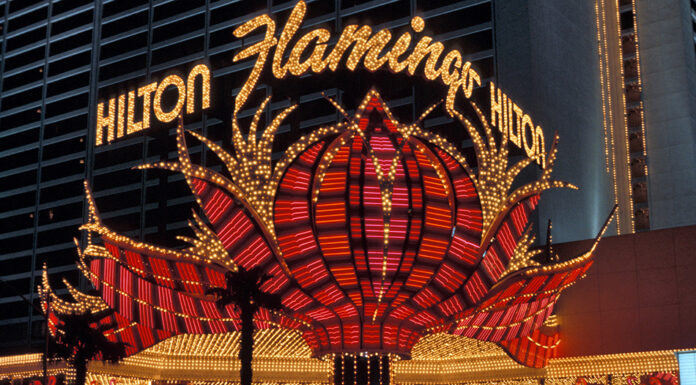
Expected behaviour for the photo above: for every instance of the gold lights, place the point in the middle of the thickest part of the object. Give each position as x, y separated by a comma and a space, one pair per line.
618, 45
282, 356
366, 47
83, 303
523, 255
95, 226
29, 365
178, 83
250, 167
206, 243
494, 179
514, 123
436, 359
624, 121
119, 118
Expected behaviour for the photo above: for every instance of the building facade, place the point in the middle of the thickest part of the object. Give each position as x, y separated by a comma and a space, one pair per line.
648, 109
591, 71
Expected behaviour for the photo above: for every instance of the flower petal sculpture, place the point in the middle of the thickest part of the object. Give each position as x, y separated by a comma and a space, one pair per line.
375, 233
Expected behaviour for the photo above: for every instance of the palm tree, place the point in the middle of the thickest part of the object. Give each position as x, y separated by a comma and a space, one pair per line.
244, 291
80, 338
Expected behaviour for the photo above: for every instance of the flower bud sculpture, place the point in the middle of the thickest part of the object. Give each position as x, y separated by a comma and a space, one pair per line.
375, 233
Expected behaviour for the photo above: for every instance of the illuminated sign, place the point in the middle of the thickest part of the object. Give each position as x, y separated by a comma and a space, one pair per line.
119, 119
516, 125
372, 232
116, 118
368, 47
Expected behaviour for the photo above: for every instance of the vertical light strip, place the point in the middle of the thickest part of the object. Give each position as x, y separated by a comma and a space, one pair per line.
611, 116
640, 84
601, 80
625, 122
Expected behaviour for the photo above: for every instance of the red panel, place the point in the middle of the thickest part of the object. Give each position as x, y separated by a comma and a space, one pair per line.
464, 250
534, 350
158, 306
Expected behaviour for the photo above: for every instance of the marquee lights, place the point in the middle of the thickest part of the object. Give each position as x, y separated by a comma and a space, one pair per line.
623, 120
437, 359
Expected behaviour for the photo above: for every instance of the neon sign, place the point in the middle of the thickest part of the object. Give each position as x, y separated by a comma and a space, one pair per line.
119, 119
516, 125
368, 48
355, 44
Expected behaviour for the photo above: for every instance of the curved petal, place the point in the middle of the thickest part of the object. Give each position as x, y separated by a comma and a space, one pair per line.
533, 350
111, 324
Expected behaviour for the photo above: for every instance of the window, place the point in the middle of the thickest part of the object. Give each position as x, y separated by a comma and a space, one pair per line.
687, 367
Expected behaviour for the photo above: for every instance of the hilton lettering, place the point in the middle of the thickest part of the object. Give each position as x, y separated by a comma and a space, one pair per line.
119, 120
355, 44
516, 126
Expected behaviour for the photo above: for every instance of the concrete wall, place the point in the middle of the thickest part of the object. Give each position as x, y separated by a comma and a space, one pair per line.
547, 62
669, 89
639, 295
